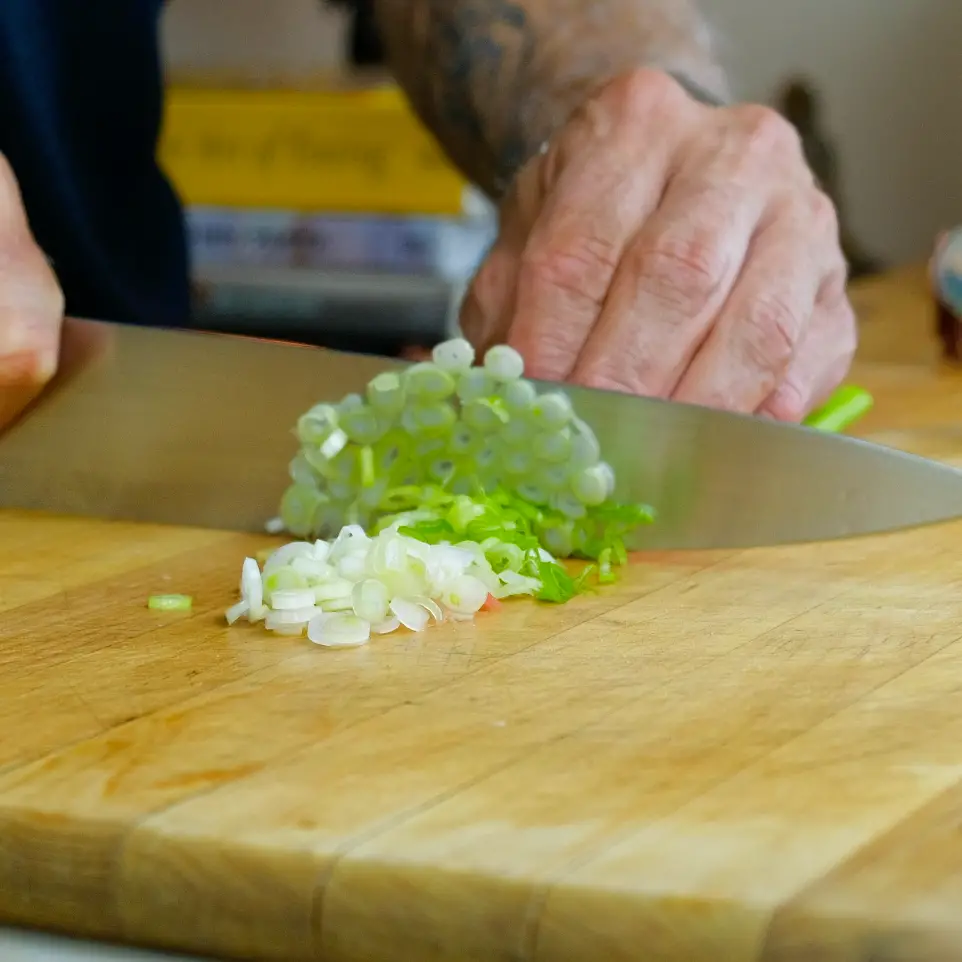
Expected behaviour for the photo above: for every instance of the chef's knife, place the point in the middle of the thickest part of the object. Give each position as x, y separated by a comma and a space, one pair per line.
192, 428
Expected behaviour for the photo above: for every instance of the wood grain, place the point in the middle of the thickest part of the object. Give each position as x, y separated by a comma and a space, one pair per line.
728, 756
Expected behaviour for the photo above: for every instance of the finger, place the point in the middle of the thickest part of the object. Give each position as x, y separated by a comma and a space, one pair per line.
31, 312
610, 181
757, 333
414, 353
822, 362
674, 279
484, 310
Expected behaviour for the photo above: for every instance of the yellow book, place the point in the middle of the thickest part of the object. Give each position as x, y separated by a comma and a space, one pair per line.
311, 150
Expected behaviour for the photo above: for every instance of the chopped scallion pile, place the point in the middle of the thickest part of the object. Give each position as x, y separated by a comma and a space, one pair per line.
443, 489
446, 438
342, 591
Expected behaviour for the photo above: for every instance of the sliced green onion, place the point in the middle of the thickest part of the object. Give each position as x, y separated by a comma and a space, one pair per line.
447, 453
554, 446
362, 425
368, 475
590, 486
504, 363
428, 382
335, 442
455, 356
552, 410
476, 383
518, 396
316, 425
170, 602
484, 414
842, 409
385, 394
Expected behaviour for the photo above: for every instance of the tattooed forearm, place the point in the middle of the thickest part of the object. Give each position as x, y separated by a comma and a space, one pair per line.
495, 78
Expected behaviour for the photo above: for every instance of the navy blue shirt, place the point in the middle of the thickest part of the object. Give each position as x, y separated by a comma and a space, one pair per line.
81, 98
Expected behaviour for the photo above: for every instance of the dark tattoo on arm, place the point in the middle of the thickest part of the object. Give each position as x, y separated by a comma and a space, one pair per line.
473, 63
493, 79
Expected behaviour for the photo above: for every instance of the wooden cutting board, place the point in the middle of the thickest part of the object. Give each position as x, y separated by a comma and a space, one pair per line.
727, 756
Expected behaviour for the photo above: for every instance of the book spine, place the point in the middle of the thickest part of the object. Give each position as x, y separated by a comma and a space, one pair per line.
306, 151
438, 247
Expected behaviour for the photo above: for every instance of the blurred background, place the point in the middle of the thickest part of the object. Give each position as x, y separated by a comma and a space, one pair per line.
319, 208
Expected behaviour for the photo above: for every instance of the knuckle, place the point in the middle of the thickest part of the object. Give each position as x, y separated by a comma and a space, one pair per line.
770, 333
640, 92
823, 213
631, 380
846, 333
789, 403
767, 132
682, 273
581, 269
29, 288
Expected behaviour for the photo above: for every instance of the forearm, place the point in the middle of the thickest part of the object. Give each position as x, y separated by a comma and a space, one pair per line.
494, 79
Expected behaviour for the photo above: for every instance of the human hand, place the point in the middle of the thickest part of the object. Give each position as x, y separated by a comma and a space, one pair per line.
31, 306
663, 247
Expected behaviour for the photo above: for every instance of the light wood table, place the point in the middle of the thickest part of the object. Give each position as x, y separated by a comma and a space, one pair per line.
727, 756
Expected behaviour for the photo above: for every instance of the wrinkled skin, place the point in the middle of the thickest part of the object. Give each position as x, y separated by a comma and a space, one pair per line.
31, 307
662, 247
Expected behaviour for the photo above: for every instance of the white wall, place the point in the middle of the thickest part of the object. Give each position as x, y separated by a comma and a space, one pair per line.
891, 74
890, 71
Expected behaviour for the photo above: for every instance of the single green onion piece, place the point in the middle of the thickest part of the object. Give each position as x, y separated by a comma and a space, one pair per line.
462, 439
426, 420
170, 602
590, 486
362, 425
557, 586
504, 363
299, 504
368, 475
568, 505
349, 403
605, 574
427, 382
553, 446
518, 396
483, 414
301, 471
385, 393
316, 425
517, 432
425, 447
618, 552
552, 410
533, 492
455, 356
841, 410
558, 538
430, 532
474, 384
334, 444
585, 449
552, 477
442, 470
581, 581
518, 461
463, 512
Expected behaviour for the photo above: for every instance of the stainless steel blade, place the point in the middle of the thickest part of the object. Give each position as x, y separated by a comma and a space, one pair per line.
196, 429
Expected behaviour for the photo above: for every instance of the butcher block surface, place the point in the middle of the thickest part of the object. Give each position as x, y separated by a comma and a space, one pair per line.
726, 756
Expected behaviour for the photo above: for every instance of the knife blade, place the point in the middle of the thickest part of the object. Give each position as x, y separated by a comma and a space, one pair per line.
192, 428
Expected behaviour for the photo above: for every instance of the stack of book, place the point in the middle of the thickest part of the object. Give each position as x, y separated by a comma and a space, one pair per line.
321, 209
